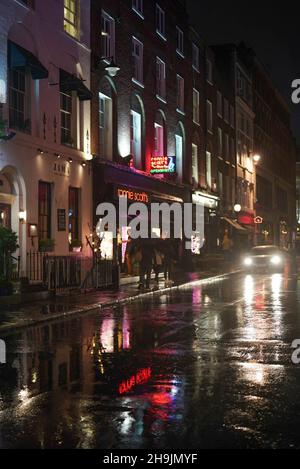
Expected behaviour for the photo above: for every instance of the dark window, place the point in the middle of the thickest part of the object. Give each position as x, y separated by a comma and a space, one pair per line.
66, 118
74, 214
44, 210
18, 101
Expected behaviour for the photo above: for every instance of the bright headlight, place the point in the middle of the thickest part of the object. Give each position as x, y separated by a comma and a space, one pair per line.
276, 260
248, 261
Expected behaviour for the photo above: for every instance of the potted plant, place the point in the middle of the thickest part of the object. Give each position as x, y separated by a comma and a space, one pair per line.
76, 246
46, 245
8, 245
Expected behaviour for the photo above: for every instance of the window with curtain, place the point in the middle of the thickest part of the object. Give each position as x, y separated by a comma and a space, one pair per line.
44, 210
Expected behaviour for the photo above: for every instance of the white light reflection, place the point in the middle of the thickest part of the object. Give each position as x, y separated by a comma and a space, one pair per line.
249, 290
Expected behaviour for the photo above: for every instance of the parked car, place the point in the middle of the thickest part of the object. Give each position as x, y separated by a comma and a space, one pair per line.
269, 258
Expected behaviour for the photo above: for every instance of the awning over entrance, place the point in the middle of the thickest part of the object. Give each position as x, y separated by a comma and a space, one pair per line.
70, 82
235, 225
20, 58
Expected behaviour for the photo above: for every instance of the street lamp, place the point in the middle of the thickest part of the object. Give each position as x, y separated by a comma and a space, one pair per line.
256, 158
237, 208
111, 67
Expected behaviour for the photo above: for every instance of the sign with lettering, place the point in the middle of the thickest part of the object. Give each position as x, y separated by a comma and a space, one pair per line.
132, 195
163, 164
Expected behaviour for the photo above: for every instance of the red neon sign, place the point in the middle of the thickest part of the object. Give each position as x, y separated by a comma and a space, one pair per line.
162, 164
141, 377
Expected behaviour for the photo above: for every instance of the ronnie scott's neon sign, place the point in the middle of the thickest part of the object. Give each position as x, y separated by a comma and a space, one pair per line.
163, 164
141, 377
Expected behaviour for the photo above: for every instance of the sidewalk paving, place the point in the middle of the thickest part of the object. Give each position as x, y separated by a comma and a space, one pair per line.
60, 307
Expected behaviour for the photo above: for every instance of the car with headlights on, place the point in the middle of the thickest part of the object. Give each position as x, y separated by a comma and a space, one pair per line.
269, 258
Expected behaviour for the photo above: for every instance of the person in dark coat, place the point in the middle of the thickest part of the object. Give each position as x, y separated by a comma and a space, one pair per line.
147, 261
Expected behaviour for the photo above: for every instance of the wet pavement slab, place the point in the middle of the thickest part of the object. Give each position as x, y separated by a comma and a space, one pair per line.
208, 366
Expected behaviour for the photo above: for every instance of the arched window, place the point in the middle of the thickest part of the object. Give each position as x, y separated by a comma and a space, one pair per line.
179, 150
137, 131
106, 119
159, 134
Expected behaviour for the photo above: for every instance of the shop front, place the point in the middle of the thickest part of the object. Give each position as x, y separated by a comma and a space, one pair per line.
112, 183
210, 242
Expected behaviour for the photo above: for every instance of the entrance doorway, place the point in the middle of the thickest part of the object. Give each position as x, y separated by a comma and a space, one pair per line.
5, 215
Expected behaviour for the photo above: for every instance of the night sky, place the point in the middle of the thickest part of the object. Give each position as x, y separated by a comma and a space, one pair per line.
271, 28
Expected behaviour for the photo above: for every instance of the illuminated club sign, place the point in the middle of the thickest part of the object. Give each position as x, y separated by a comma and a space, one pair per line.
163, 165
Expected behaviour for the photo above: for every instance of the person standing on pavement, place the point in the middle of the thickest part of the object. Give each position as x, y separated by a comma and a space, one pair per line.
147, 260
226, 246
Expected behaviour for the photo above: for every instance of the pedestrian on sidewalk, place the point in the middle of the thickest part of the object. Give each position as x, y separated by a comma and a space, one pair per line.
227, 245
147, 260
158, 263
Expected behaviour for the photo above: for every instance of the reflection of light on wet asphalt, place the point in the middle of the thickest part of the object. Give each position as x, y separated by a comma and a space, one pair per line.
248, 290
257, 373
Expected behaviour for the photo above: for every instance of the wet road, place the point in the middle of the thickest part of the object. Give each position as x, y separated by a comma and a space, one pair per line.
209, 367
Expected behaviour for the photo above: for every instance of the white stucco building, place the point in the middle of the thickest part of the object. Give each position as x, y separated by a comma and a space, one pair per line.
45, 175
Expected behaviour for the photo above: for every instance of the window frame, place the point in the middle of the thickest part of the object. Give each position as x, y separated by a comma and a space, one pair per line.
135, 8
108, 46
161, 22
180, 94
68, 23
179, 42
196, 66
138, 59
161, 83
209, 116
47, 213
196, 93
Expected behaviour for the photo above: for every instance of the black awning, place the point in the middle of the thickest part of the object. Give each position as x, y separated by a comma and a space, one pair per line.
20, 58
70, 82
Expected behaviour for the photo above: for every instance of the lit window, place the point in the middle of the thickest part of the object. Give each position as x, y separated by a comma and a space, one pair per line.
208, 170
71, 17
137, 53
138, 7
160, 78
209, 116
159, 145
196, 58
195, 173
180, 42
160, 22
180, 93
196, 106
209, 74
136, 138
105, 126
108, 36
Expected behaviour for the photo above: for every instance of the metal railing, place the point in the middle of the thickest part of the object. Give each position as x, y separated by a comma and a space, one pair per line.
67, 272
35, 266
